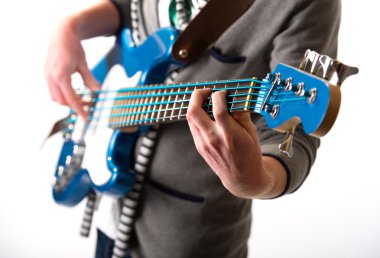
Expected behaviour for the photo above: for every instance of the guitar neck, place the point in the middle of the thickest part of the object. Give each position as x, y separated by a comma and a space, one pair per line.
157, 104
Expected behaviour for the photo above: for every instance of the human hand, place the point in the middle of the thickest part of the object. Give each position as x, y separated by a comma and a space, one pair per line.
231, 147
66, 57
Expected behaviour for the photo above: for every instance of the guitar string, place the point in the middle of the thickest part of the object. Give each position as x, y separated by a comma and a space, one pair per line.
177, 102
93, 117
186, 100
165, 94
171, 117
148, 95
138, 122
174, 86
133, 105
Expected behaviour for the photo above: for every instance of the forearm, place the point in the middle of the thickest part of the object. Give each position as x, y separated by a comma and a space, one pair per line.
98, 20
274, 181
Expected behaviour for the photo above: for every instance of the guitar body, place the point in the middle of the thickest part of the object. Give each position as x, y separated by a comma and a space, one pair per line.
148, 63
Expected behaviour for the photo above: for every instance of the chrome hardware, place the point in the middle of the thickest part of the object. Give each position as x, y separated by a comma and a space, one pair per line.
72, 166
286, 146
288, 84
275, 110
75, 149
300, 89
276, 81
54, 182
183, 53
61, 169
317, 64
312, 95
68, 160
325, 67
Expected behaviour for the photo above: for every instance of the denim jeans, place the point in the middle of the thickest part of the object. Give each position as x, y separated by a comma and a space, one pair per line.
104, 245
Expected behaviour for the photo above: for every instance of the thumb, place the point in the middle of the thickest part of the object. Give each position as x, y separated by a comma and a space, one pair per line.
88, 78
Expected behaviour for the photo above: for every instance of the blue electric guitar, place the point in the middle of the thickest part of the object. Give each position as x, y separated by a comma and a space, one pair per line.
285, 98
145, 64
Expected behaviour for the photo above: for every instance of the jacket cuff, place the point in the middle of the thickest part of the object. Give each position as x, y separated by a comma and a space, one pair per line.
123, 8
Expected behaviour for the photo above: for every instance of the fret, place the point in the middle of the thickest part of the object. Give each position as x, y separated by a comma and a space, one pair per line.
155, 107
162, 100
126, 120
133, 103
140, 108
142, 116
152, 107
143, 104
168, 104
139, 103
251, 94
147, 107
208, 104
111, 120
148, 115
183, 100
233, 104
116, 113
228, 93
173, 105
175, 111
242, 99
237, 103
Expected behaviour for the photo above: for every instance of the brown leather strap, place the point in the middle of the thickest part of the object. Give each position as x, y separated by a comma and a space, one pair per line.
206, 27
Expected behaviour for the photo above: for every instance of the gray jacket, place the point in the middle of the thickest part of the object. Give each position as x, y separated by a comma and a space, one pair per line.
185, 211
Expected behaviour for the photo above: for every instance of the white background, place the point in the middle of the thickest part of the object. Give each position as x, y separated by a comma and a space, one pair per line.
335, 214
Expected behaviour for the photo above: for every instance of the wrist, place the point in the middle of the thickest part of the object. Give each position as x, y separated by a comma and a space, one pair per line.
254, 182
275, 178
268, 180
73, 25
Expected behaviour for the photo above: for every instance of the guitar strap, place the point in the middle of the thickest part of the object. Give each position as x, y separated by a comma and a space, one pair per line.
206, 27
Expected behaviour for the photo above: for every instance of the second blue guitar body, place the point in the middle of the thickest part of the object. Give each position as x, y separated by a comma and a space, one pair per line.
153, 61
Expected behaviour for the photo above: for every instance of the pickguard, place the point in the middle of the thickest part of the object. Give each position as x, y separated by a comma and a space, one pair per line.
98, 135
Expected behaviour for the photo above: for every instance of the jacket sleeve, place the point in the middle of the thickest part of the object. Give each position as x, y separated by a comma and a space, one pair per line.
312, 25
124, 9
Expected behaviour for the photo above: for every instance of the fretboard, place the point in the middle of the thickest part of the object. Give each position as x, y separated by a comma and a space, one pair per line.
156, 104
